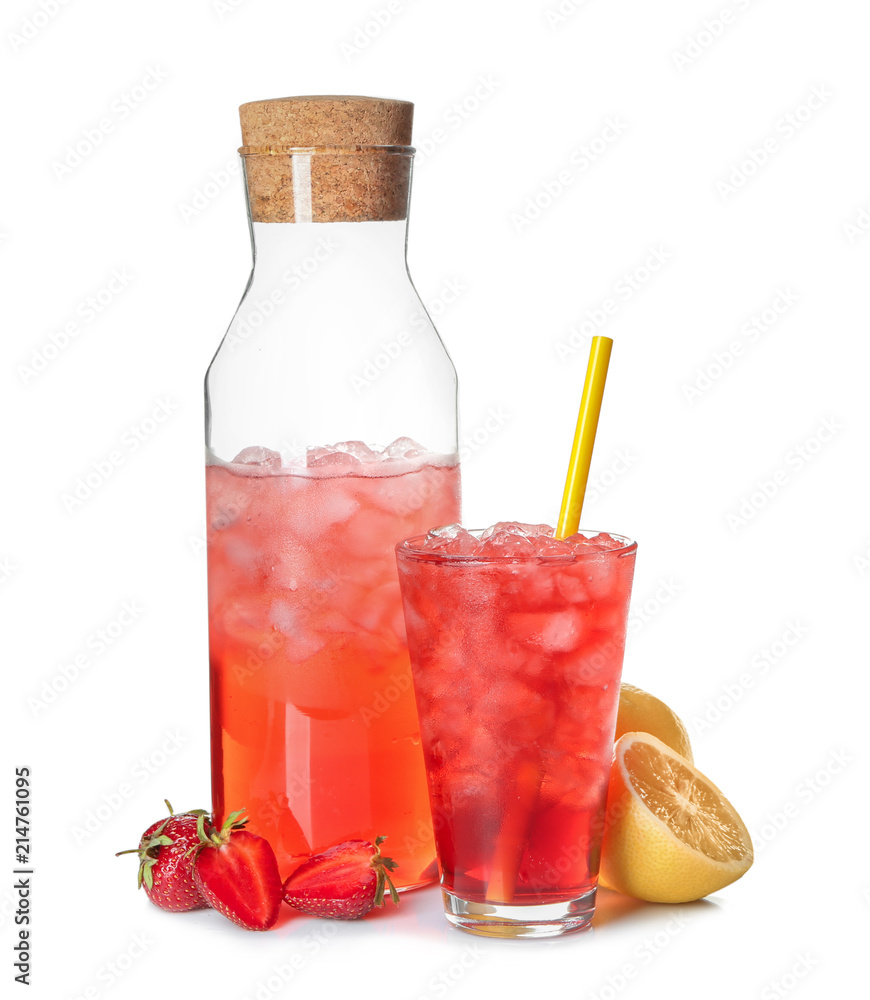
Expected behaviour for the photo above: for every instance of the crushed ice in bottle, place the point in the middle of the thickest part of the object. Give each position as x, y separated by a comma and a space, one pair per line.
258, 456
404, 447
349, 453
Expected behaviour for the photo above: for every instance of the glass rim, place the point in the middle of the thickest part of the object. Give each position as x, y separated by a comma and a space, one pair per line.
357, 149
407, 549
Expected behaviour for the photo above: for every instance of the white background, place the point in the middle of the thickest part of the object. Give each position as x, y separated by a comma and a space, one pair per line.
783, 410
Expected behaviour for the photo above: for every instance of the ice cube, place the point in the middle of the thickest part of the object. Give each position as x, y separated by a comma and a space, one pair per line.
245, 554
299, 641
562, 631
596, 663
464, 544
514, 712
607, 541
359, 450
546, 545
555, 632
506, 543
374, 609
325, 508
404, 447
601, 542
503, 528
538, 530
318, 458
258, 456
451, 538
438, 539
572, 586
602, 577
517, 528
448, 531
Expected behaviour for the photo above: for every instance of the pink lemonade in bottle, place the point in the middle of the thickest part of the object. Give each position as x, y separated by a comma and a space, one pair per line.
313, 721
314, 725
516, 642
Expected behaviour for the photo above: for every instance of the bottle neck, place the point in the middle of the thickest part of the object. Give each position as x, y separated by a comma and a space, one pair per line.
289, 254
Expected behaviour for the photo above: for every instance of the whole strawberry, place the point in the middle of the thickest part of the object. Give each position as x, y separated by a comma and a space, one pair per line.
237, 873
165, 868
344, 882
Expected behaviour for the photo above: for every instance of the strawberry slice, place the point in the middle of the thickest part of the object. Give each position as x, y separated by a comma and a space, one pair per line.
165, 866
344, 882
237, 873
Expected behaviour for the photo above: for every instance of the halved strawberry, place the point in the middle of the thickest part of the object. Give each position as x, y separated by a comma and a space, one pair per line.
237, 873
344, 882
165, 869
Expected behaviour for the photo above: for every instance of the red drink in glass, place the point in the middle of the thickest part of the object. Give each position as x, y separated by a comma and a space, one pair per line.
314, 726
516, 644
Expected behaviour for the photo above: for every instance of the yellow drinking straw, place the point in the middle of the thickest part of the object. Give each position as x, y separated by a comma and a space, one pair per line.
584, 437
511, 841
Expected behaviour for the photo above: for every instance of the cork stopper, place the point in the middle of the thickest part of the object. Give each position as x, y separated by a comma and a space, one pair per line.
327, 158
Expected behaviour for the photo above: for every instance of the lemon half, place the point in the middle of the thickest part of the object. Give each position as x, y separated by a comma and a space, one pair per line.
671, 836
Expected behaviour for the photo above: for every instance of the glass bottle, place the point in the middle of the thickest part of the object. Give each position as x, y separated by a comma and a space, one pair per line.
331, 434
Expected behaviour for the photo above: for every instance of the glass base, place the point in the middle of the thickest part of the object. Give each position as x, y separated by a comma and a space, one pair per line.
502, 920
